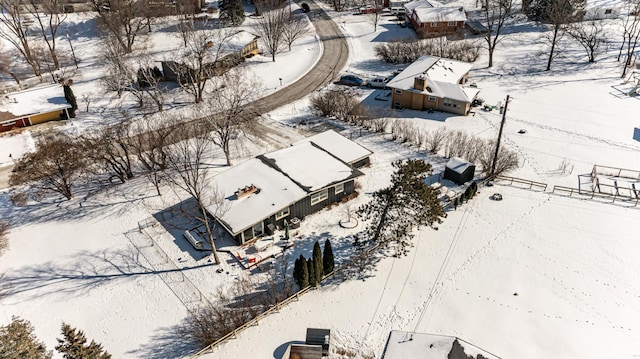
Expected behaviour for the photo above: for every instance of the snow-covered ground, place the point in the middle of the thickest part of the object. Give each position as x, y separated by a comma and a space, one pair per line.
535, 275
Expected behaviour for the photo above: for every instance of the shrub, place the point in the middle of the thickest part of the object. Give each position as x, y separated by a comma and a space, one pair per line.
402, 52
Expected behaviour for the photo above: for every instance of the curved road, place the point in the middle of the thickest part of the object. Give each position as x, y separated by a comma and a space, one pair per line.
333, 59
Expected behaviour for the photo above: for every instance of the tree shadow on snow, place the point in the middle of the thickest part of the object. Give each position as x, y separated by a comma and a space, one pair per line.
167, 343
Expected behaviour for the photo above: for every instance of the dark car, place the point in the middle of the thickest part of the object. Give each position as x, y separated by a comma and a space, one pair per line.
350, 80
305, 7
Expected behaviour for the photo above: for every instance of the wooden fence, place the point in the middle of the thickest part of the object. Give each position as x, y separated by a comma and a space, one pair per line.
571, 192
521, 181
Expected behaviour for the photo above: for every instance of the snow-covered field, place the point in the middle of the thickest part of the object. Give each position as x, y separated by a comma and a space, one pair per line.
535, 275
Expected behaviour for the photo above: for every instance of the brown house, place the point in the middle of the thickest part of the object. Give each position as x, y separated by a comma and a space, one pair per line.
431, 19
433, 83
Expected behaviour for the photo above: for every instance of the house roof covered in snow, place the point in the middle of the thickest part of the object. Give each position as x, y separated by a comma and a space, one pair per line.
279, 178
41, 99
458, 165
237, 41
440, 14
410, 6
274, 192
406, 345
339, 146
442, 75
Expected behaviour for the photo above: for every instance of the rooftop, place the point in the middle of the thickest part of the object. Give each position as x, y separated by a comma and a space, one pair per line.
339, 146
35, 100
407, 345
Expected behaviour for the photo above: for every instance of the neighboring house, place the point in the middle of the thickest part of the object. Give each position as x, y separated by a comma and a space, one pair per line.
235, 50
459, 171
431, 19
316, 345
33, 106
263, 192
433, 83
604, 9
409, 345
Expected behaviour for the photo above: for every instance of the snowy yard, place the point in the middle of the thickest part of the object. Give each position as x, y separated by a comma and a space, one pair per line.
535, 275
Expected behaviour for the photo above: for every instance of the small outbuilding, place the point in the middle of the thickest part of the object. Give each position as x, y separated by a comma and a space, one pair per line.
459, 170
319, 337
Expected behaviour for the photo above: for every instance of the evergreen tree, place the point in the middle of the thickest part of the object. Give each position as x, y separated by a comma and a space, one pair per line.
407, 203
71, 99
231, 12
327, 258
455, 203
73, 345
17, 340
301, 273
313, 279
286, 230
317, 262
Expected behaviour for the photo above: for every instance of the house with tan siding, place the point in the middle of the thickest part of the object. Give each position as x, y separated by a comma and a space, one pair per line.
434, 83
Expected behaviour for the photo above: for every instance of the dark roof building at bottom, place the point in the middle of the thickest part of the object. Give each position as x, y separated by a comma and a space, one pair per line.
408, 345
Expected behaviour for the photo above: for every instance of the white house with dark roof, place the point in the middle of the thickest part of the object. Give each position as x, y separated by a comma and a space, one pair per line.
434, 83
409, 345
263, 192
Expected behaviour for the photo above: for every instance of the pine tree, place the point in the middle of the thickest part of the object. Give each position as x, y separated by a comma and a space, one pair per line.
408, 202
318, 269
313, 279
73, 345
286, 230
327, 258
17, 340
301, 273
231, 12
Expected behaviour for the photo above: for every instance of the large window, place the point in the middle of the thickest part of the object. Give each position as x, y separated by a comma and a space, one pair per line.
282, 214
319, 196
452, 23
432, 98
434, 24
339, 188
398, 92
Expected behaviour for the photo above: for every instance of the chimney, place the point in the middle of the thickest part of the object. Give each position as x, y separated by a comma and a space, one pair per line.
420, 82
245, 191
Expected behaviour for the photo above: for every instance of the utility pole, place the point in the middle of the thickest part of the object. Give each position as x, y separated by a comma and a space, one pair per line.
495, 155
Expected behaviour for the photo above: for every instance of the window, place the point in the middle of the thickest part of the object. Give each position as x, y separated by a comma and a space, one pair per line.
398, 92
452, 23
397, 105
608, 11
319, 196
282, 214
434, 24
450, 103
432, 98
339, 188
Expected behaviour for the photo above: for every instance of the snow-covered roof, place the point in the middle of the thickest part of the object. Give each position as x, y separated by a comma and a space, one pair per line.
275, 192
237, 41
339, 146
310, 166
458, 165
440, 14
419, 3
442, 77
406, 345
33, 101
282, 178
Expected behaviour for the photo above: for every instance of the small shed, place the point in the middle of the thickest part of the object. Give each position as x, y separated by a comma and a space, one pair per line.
459, 170
320, 337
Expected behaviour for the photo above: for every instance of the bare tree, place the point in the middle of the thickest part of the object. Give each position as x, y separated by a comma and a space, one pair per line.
6, 63
49, 16
190, 173
14, 29
376, 15
271, 26
436, 140
590, 35
495, 14
110, 148
631, 34
148, 78
559, 13
227, 112
295, 27
117, 74
337, 102
507, 159
202, 59
4, 239
55, 166
151, 144
124, 20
